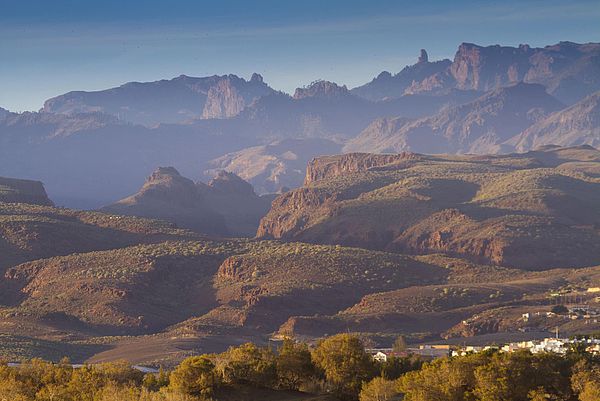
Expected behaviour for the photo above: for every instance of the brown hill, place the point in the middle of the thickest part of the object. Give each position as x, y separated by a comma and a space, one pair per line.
481, 126
173, 293
505, 210
226, 206
29, 232
23, 191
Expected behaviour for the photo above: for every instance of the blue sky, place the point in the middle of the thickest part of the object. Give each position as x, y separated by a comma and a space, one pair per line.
53, 46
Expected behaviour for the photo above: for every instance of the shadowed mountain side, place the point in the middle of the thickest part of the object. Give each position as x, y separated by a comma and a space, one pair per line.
504, 210
226, 206
29, 232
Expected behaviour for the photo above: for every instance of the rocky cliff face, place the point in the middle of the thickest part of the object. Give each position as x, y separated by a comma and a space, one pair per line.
230, 95
23, 191
568, 70
335, 166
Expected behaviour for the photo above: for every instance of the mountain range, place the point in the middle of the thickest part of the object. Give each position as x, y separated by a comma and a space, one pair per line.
569, 71
488, 99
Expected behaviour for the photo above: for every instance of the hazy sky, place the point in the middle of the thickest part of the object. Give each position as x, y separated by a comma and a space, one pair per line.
49, 47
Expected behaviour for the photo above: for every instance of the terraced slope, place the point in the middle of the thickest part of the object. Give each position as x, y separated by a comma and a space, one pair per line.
531, 211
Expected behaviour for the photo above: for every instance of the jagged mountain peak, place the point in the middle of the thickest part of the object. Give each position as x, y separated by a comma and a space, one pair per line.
321, 88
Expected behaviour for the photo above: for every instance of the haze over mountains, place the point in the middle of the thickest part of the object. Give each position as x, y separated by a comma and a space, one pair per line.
93, 148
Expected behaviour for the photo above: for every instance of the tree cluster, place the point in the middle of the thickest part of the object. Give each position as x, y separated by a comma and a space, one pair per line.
338, 366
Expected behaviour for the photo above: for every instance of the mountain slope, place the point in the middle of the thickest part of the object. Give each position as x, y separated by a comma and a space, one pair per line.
166, 101
480, 126
578, 124
505, 210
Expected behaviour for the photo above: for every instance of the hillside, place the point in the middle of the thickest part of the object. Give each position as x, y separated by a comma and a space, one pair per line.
29, 232
488, 209
227, 205
388, 86
481, 126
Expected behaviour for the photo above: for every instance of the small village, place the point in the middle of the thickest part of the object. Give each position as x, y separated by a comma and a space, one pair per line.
555, 345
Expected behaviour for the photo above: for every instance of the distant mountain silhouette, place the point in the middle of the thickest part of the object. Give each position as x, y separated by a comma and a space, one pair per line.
167, 101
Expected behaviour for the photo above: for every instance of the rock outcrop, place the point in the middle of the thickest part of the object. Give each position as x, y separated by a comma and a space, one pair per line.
324, 89
23, 191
